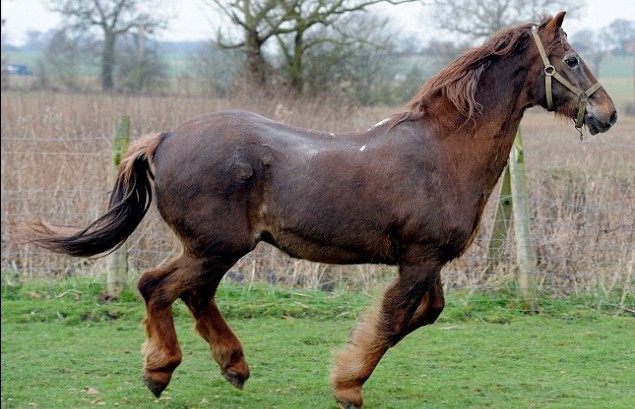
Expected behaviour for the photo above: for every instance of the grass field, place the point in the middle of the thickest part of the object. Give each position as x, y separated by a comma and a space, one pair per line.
63, 346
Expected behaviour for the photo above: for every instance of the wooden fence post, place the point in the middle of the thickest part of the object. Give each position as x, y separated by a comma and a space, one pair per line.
118, 260
524, 251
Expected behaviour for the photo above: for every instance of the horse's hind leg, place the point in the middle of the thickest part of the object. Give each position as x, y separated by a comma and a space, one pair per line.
226, 348
160, 288
380, 330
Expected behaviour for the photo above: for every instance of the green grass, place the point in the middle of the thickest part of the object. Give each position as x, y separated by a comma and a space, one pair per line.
63, 346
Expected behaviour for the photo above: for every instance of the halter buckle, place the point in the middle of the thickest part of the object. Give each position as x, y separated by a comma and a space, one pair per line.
550, 70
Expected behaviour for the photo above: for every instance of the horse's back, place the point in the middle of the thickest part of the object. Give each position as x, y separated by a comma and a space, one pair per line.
341, 199
242, 173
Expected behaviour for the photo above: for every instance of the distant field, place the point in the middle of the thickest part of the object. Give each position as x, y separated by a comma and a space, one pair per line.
617, 67
29, 58
615, 70
622, 92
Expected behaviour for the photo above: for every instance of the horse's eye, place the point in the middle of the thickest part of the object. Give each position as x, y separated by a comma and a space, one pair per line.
572, 62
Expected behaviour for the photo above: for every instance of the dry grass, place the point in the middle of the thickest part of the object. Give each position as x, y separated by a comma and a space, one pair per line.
583, 203
56, 164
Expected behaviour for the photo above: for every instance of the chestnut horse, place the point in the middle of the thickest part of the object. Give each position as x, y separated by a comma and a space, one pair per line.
408, 192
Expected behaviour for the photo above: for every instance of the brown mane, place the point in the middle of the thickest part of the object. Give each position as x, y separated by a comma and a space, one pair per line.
458, 82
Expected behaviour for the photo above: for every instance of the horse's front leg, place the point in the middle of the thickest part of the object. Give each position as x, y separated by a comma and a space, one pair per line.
430, 308
381, 329
226, 348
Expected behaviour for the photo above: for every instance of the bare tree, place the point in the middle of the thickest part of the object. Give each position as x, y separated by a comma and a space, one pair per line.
259, 21
114, 18
63, 57
618, 35
141, 69
477, 19
351, 53
335, 33
218, 67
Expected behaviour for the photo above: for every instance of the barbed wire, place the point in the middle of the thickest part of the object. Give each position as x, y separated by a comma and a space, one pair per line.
49, 191
56, 138
45, 153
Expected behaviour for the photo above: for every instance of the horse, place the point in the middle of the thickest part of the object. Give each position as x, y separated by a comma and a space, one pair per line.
409, 191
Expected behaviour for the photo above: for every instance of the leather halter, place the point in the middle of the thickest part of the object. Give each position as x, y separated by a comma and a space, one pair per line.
550, 71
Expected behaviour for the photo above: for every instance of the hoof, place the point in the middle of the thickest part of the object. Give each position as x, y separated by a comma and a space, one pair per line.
155, 387
344, 404
238, 381
350, 398
156, 381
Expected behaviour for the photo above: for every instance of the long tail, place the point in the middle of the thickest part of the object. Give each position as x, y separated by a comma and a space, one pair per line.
129, 201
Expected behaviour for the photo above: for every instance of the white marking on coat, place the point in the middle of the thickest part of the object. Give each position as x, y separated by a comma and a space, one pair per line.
383, 121
363, 148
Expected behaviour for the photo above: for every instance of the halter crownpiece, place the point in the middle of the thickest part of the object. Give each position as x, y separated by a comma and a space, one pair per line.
550, 71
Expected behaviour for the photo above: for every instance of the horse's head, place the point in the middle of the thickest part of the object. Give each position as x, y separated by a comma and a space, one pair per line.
566, 84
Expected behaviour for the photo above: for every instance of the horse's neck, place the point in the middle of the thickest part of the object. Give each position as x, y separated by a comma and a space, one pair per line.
494, 146
508, 90
483, 143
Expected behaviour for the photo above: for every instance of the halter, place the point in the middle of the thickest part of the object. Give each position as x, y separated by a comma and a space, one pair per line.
550, 71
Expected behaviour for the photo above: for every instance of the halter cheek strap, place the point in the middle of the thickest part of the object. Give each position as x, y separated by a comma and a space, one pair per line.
550, 71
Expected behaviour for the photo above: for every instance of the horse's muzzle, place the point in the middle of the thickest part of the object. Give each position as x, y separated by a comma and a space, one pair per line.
597, 125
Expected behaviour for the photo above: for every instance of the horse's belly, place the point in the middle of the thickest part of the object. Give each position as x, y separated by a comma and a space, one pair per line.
341, 250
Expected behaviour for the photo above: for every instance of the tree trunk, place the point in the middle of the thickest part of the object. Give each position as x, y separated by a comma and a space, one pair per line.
108, 62
255, 67
297, 78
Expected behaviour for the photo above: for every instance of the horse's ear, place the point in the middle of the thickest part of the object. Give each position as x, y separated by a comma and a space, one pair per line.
556, 22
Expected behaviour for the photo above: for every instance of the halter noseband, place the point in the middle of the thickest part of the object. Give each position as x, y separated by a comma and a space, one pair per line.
550, 71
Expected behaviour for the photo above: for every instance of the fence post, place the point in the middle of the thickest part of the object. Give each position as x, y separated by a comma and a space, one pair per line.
118, 260
520, 208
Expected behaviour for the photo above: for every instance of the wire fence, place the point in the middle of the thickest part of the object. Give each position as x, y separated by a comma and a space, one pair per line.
582, 225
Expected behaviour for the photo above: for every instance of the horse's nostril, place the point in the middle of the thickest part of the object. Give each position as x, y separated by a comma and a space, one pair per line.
613, 118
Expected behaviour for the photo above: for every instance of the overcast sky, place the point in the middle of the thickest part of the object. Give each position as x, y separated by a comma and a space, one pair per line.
194, 20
